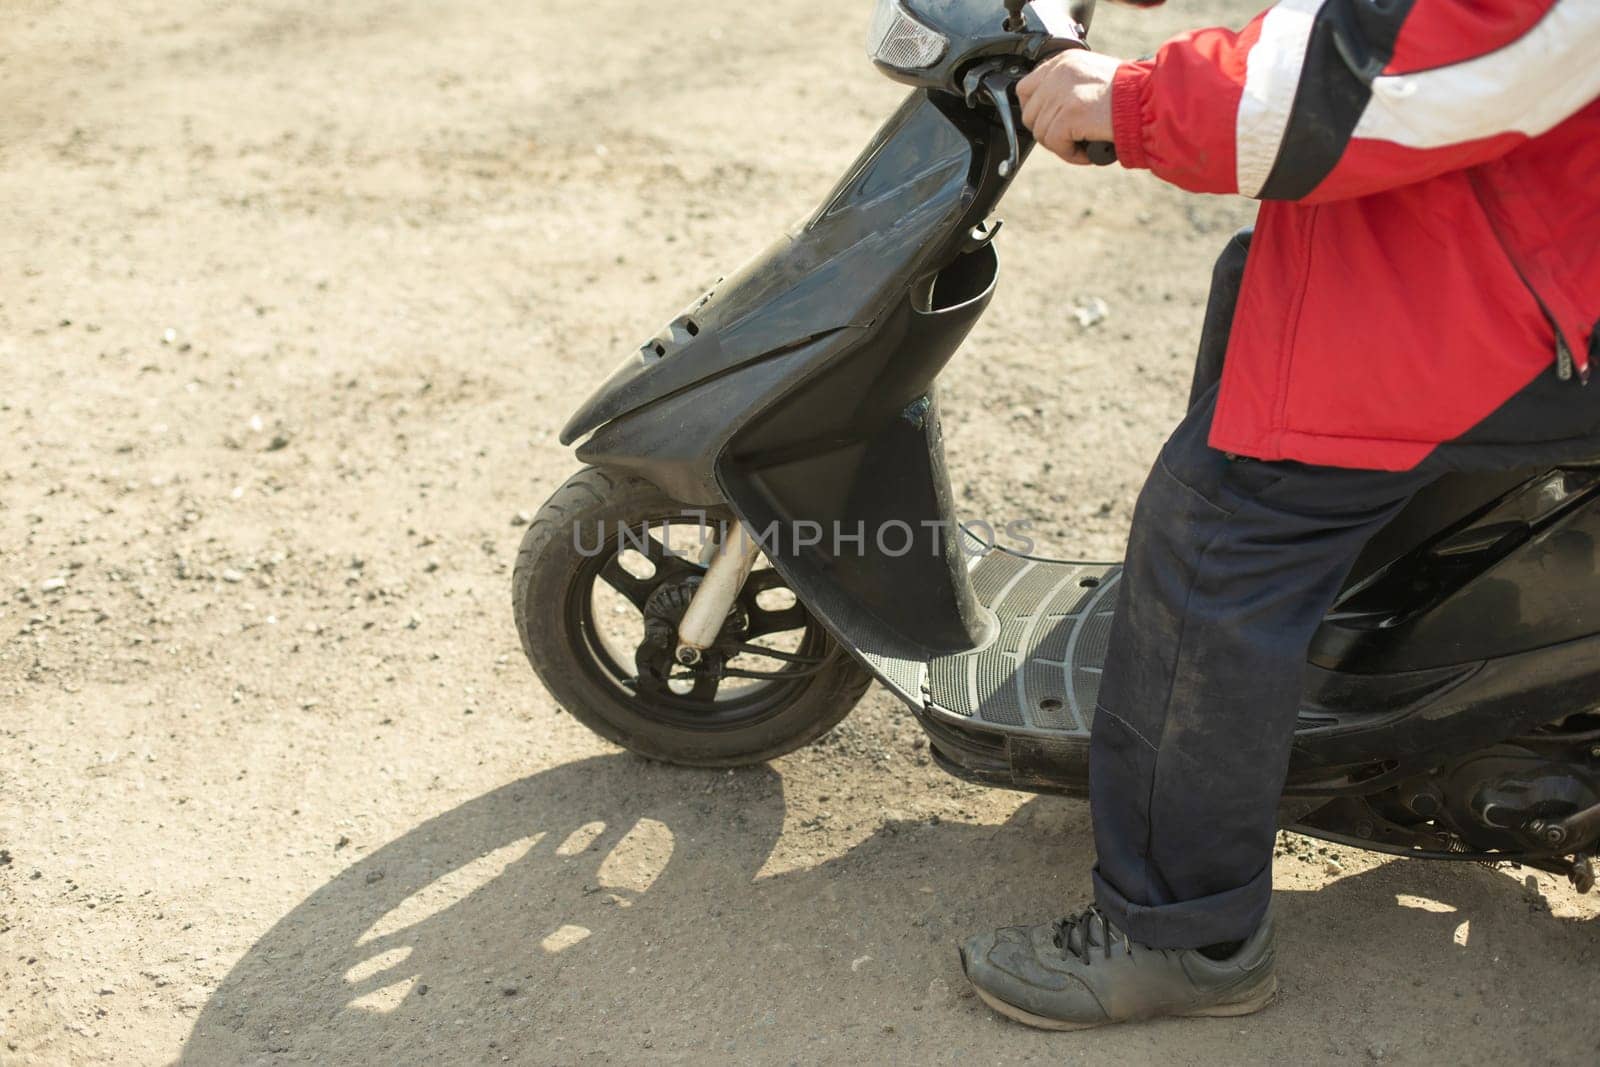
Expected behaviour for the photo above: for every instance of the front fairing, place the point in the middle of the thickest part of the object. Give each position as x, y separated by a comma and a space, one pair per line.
802, 395
898, 209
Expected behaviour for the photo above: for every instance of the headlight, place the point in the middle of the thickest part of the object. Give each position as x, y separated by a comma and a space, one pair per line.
898, 40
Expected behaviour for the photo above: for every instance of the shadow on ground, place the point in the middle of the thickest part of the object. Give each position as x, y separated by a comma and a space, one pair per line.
612, 908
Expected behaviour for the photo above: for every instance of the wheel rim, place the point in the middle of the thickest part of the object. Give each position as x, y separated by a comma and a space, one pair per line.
619, 577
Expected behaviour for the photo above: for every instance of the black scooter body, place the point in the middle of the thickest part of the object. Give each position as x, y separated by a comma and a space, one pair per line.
800, 391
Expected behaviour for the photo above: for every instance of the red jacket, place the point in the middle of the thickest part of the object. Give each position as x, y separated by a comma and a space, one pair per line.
1430, 239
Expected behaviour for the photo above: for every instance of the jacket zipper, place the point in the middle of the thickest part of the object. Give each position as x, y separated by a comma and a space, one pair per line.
1564, 355
1565, 363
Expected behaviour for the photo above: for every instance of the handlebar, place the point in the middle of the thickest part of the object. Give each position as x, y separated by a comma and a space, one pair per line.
1100, 153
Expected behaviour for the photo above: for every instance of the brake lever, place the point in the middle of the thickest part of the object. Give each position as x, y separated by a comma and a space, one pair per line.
998, 88
994, 82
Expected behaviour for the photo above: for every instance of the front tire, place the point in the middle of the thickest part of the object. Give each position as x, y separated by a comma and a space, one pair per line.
589, 559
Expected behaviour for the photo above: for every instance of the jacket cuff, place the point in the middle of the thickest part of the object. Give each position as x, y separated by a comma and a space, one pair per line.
1127, 113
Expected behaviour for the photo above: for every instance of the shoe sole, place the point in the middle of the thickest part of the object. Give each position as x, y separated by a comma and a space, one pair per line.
1216, 1011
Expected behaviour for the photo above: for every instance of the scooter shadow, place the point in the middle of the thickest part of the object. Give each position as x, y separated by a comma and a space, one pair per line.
614, 909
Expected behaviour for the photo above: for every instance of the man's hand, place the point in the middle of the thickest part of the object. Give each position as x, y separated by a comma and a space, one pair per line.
1067, 100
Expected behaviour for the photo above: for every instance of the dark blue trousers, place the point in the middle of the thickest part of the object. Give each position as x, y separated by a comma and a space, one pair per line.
1231, 566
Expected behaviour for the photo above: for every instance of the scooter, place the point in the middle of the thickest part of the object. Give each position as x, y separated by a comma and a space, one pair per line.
766, 527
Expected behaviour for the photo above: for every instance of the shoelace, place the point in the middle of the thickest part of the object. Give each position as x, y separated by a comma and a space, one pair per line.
1076, 934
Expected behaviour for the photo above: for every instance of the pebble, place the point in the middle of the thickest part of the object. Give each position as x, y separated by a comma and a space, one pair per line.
1090, 312
521, 518
52, 585
231, 575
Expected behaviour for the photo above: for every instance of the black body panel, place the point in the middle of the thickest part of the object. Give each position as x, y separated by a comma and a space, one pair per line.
800, 390
895, 211
1519, 572
673, 442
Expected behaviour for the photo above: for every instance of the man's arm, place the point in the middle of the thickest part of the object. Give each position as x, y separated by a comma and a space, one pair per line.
1327, 99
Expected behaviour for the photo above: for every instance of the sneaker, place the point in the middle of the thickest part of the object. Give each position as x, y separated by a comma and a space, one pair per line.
1083, 971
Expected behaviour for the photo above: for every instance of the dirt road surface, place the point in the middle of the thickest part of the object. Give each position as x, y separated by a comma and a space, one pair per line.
293, 297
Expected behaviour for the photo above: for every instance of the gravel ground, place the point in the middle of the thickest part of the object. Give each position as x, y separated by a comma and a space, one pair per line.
293, 298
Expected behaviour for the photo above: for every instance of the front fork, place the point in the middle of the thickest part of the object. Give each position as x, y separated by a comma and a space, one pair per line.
715, 595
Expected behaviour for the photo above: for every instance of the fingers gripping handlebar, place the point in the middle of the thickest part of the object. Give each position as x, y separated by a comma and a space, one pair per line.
1100, 153
996, 82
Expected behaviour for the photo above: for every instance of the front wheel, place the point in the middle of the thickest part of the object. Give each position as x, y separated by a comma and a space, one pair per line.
605, 572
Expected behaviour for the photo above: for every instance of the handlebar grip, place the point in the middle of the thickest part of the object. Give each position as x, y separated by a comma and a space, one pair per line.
1100, 153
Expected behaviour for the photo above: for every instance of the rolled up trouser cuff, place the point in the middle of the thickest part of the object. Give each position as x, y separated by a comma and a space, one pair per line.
1230, 916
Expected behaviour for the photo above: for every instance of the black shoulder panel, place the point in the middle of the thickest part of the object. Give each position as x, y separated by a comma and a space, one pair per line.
1351, 42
